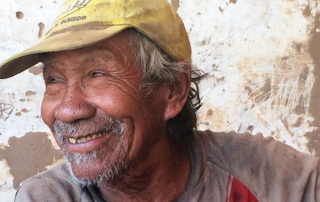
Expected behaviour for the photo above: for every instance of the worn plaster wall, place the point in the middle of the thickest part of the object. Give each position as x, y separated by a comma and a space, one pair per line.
261, 57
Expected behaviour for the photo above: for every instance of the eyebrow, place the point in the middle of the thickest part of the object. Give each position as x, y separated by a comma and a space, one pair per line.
99, 55
96, 55
49, 65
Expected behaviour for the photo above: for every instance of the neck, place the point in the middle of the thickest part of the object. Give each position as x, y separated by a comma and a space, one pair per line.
161, 176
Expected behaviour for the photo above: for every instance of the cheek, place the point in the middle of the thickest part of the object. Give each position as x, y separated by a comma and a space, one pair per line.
47, 112
119, 103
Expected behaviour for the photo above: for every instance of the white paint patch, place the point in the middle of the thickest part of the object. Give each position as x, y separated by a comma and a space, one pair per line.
6, 183
7, 192
4, 171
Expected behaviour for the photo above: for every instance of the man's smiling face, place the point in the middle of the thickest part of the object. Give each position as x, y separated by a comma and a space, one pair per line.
96, 111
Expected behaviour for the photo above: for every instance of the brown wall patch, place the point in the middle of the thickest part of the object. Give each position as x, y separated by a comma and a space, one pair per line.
19, 15
41, 28
25, 110
307, 11
314, 48
18, 114
175, 4
29, 93
36, 69
29, 155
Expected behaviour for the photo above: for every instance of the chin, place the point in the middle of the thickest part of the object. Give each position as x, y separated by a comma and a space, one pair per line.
93, 168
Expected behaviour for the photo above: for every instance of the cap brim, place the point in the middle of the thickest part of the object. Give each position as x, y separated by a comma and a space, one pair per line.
69, 40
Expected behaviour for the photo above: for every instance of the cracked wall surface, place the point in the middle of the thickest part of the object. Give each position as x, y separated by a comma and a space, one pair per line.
262, 58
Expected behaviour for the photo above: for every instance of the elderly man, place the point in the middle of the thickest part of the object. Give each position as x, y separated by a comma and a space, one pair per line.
120, 104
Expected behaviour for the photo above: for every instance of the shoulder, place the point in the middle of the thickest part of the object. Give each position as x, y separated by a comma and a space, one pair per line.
233, 145
55, 184
263, 164
223, 144
232, 151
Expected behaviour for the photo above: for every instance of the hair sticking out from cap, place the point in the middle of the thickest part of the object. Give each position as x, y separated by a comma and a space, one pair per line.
157, 67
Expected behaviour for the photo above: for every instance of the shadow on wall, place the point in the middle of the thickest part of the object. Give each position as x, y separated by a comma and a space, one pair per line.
314, 110
29, 155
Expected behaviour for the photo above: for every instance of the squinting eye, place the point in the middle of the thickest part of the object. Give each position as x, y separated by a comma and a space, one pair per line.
52, 80
96, 74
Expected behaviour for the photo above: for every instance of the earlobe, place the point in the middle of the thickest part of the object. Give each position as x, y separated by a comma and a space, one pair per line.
177, 95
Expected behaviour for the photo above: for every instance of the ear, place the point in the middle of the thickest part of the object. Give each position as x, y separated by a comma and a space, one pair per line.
177, 95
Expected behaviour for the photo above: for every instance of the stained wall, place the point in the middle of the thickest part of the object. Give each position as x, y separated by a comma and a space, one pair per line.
261, 57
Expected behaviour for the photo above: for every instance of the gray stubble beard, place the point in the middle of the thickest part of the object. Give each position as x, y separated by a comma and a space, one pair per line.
86, 126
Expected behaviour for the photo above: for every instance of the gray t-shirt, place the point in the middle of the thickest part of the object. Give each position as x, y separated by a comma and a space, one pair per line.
272, 171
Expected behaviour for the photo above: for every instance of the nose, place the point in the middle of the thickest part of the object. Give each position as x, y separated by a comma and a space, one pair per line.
74, 106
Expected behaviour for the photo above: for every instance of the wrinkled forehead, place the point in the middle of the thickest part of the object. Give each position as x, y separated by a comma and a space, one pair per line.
81, 56
118, 47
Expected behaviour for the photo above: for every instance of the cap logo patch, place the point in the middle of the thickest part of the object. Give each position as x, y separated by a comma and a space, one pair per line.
72, 5
73, 19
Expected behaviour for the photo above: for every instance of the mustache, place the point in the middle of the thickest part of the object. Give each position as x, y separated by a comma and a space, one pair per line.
98, 123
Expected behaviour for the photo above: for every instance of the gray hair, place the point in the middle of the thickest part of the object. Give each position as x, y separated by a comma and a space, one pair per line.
157, 66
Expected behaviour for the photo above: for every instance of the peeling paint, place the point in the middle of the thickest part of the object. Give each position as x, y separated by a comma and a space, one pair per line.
27, 152
36, 69
261, 74
41, 28
19, 15
314, 50
25, 110
175, 4
29, 93
18, 114
23, 94
307, 11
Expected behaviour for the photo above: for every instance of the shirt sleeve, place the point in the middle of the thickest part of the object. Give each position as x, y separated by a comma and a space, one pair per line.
271, 170
53, 185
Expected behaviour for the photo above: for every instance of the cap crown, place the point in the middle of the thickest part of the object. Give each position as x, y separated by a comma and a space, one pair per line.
83, 23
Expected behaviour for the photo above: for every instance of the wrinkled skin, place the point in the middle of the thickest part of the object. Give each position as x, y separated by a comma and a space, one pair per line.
103, 78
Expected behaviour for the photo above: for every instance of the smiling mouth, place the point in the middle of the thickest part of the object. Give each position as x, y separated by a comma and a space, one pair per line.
87, 138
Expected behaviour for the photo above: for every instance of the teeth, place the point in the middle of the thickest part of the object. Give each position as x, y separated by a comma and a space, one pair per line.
86, 139
83, 139
72, 140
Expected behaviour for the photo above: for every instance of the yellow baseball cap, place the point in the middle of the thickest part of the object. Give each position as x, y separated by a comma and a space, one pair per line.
83, 23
